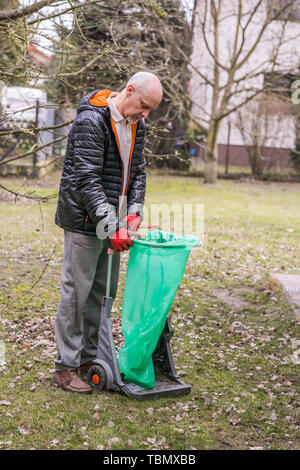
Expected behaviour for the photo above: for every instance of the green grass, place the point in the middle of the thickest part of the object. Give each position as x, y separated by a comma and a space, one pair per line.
238, 360
247, 170
221, 169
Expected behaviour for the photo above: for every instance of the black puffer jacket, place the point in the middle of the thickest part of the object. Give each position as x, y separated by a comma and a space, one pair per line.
92, 177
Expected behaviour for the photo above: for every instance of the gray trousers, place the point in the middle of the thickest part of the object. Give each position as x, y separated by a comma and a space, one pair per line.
83, 284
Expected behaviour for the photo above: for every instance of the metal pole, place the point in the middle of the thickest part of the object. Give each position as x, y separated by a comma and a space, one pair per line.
110, 252
227, 149
36, 124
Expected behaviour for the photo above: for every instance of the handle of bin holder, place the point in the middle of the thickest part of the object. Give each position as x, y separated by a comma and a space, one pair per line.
110, 252
134, 235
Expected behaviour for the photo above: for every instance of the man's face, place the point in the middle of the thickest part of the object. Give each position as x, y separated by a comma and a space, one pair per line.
138, 105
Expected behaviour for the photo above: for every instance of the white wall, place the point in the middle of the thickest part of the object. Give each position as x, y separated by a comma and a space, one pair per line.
16, 99
288, 59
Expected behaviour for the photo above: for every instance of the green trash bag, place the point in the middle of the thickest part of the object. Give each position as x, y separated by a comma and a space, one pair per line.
155, 268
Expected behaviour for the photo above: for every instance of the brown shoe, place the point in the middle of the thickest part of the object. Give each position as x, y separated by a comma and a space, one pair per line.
70, 380
84, 368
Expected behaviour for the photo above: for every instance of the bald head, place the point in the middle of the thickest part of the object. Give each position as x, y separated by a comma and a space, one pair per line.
142, 94
145, 82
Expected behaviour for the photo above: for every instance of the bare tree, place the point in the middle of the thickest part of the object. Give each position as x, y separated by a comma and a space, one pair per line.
295, 153
263, 122
235, 44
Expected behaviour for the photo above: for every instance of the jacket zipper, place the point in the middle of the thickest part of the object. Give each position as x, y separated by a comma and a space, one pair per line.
133, 135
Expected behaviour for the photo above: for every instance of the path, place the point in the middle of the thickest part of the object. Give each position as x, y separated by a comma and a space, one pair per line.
291, 285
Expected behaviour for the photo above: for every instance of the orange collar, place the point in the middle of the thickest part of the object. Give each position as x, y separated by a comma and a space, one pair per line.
100, 98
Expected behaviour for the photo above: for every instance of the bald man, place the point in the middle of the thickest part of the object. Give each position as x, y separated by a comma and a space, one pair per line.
101, 198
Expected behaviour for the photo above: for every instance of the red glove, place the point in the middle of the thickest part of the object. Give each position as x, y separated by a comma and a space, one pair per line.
132, 222
121, 240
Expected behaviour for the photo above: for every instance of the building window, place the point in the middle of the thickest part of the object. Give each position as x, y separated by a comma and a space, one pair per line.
284, 9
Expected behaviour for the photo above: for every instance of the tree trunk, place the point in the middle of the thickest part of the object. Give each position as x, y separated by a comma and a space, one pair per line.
256, 160
211, 171
211, 156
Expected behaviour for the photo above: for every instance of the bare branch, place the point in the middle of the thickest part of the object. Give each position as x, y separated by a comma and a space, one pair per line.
261, 32
35, 148
235, 108
67, 10
36, 129
21, 12
30, 195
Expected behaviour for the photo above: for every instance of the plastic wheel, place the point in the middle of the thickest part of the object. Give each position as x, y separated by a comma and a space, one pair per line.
97, 378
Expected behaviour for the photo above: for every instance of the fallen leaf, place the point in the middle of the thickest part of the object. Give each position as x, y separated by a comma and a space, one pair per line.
112, 440
152, 440
23, 430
